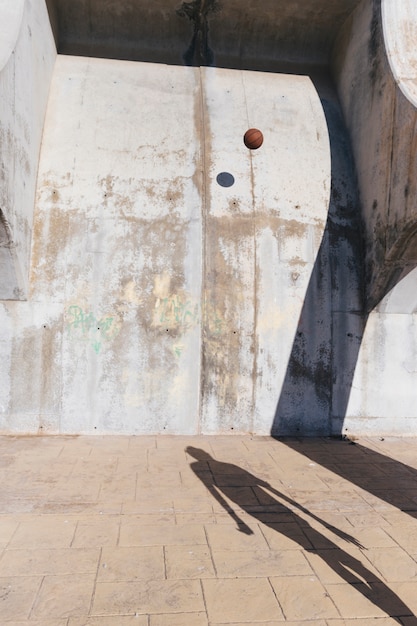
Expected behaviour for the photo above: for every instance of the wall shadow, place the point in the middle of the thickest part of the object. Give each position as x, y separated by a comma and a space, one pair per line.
385, 478
318, 379
266, 504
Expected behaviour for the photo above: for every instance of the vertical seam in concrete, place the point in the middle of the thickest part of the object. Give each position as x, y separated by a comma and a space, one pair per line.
390, 182
203, 306
255, 286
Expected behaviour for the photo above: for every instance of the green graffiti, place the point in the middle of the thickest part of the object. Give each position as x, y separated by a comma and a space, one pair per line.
88, 328
173, 311
177, 312
178, 349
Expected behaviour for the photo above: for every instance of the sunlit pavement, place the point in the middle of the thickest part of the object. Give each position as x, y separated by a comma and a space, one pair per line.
199, 531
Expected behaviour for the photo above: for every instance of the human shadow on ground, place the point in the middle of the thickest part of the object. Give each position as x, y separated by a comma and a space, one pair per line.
381, 476
260, 500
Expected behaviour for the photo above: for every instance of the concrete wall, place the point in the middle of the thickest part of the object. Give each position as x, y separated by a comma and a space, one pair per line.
375, 68
27, 56
237, 33
180, 283
162, 300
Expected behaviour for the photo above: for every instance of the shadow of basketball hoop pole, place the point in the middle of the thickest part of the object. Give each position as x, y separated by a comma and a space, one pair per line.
229, 483
317, 384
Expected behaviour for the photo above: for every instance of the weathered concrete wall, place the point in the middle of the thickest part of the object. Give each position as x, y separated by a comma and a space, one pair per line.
162, 300
262, 236
180, 283
27, 56
236, 33
381, 120
375, 68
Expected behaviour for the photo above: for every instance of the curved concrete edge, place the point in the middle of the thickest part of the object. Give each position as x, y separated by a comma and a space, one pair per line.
11, 16
27, 57
399, 21
375, 72
375, 75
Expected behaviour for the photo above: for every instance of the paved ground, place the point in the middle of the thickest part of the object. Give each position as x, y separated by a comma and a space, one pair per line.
198, 531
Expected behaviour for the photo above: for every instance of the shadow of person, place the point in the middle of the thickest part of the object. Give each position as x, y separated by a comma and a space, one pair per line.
227, 482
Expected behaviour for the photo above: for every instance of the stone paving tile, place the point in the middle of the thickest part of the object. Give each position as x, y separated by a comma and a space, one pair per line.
303, 598
370, 519
141, 443
17, 506
118, 489
366, 601
8, 527
278, 623
43, 562
17, 595
405, 535
44, 532
409, 621
335, 566
80, 509
129, 564
394, 564
98, 532
243, 495
400, 518
407, 592
305, 481
146, 480
154, 596
184, 619
133, 534
263, 563
53, 622
188, 562
331, 518
286, 536
232, 537
149, 506
64, 596
385, 499
346, 502
76, 490
373, 621
195, 518
366, 537
240, 599
159, 494
119, 620
192, 502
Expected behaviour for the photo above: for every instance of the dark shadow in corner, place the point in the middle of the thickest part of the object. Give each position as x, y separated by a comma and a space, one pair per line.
198, 52
318, 379
265, 504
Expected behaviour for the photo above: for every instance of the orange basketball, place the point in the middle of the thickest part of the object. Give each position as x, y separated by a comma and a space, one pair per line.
253, 139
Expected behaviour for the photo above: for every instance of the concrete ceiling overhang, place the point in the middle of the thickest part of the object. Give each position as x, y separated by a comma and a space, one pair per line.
228, 33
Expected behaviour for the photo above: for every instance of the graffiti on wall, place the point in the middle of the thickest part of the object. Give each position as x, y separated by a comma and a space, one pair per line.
182, 313
87, 327
172, 312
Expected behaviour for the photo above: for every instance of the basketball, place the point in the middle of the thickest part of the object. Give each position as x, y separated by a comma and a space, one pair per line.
253, 139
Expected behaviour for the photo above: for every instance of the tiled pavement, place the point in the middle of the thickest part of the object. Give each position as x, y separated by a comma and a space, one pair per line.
207, 531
